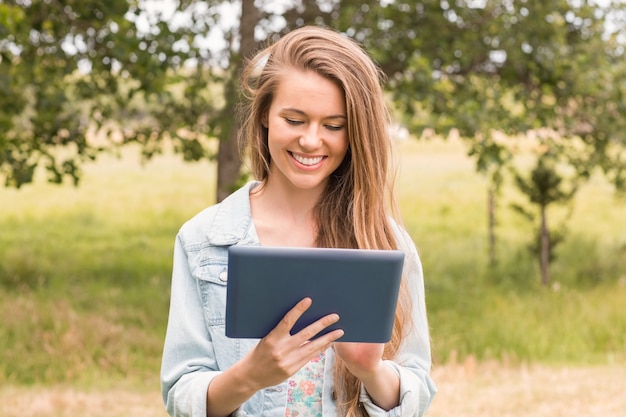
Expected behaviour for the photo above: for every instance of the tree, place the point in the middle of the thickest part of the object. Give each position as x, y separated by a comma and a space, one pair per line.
492, 67
492, 157
228, 161
74, 70
70, 67
147, 75
544, 187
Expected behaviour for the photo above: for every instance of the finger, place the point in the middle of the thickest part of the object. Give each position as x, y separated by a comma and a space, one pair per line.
317, 326
292, 316
314, 347
330, 337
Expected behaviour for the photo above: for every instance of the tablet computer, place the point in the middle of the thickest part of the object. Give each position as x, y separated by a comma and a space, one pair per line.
264, 283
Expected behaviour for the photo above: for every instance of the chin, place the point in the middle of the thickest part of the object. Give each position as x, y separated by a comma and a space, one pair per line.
308, 184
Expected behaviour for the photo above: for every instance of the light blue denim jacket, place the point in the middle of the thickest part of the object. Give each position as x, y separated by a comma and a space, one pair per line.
196, 349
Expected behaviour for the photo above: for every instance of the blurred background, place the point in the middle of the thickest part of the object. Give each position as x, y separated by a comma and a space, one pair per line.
117, 125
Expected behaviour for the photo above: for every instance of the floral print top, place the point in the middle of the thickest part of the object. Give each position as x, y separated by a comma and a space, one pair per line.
304, 396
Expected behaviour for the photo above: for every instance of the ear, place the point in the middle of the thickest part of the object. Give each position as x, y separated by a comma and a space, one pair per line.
265, 120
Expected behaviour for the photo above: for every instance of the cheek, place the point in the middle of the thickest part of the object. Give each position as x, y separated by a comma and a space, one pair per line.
273, 143
274, 130
342, 146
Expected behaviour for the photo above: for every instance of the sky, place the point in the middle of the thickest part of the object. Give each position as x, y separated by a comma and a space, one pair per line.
229, 10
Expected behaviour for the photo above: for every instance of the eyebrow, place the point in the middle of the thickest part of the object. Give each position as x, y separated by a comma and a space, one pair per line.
334, 116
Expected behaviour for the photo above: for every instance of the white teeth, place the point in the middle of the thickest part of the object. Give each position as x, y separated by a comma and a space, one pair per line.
308, 161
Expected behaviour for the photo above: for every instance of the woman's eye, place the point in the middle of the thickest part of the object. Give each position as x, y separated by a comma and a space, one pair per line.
334, 128
293, 122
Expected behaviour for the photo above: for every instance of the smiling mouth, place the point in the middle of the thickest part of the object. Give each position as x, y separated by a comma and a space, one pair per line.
307, 160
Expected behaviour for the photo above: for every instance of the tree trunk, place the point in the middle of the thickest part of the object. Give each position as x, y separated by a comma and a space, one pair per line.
228, 160
544, 254
228, 165
491, 207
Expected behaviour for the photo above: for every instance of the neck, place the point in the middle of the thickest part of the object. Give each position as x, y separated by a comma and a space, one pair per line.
290, 202
284, 217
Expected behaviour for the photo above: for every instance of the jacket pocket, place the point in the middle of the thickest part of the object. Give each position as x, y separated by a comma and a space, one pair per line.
212, 274
212, 281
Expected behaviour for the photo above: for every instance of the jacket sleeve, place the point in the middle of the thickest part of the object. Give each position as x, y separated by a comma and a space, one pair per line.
188, 363
413, 362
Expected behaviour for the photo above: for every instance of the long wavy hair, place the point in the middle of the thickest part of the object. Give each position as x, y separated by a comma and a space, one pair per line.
357, 206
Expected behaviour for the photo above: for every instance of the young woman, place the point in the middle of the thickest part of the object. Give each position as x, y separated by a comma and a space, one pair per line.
316, 132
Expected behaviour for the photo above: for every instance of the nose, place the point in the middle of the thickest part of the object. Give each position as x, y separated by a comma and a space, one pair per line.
310, 139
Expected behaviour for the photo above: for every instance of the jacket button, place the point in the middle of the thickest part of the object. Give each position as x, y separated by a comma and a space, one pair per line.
223, 276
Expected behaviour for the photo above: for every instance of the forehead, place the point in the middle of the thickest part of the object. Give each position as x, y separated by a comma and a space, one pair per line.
309, 92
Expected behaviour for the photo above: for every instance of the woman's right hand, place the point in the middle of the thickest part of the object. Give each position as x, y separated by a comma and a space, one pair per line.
279, 355
275, 358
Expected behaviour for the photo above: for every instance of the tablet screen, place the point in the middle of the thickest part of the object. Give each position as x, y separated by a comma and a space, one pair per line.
264, 283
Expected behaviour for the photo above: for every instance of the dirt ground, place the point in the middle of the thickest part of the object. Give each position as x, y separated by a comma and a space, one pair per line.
529, 391
470, 389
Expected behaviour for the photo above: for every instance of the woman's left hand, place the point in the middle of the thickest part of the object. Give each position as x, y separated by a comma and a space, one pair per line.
362, 359
365, 361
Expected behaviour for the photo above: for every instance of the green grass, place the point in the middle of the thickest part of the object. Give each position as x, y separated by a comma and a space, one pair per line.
503, 312
85, 272
89, 270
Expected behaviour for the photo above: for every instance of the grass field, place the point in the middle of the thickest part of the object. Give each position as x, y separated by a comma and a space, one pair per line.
85, 272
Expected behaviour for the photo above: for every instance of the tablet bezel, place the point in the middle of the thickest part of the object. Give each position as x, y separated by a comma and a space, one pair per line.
360, 285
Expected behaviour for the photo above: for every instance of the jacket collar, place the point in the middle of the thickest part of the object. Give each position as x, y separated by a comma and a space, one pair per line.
233, 219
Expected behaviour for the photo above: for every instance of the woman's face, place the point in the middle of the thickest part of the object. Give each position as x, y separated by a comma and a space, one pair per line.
307, 132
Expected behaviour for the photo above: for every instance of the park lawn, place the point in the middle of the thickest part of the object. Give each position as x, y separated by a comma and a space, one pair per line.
85, 271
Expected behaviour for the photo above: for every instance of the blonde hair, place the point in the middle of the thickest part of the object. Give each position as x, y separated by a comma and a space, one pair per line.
357, 207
